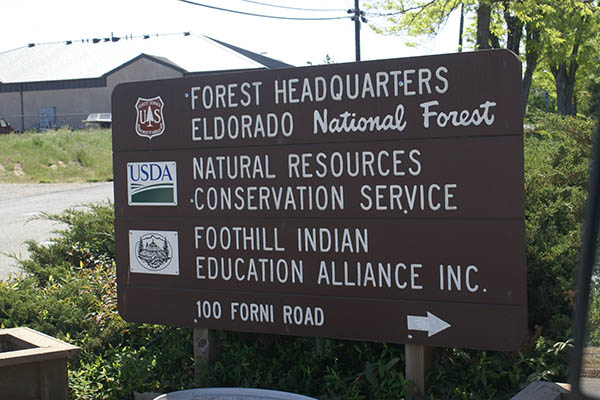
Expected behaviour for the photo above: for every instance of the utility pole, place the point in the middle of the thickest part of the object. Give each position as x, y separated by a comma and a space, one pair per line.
358, 17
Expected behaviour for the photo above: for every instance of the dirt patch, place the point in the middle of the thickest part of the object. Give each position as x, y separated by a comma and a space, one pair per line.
590, 373
591, 362
18, 170
56, 165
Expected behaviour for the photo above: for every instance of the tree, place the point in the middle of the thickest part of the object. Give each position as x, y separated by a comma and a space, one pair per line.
554, 31
415, 17
570, 27
532, 55
514, 27
494, 18
418, 18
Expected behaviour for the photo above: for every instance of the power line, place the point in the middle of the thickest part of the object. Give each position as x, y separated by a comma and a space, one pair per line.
379, 14
261, 15
392, 13
294, 8
108, 39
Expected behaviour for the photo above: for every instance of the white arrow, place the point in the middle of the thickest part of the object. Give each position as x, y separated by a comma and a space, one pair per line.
431, 324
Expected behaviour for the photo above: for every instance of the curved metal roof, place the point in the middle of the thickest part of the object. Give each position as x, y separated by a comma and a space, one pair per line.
100, 57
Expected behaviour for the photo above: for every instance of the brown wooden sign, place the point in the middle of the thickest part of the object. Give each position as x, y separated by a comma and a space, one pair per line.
378, 201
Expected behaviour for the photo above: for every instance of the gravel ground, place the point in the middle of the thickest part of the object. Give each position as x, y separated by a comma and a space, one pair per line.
10, 191
20, 204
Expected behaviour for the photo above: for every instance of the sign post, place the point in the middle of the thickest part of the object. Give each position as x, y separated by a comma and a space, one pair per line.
418, 362
378, 201
203, 347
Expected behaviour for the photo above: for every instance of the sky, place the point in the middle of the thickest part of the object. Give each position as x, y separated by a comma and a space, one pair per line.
294, 42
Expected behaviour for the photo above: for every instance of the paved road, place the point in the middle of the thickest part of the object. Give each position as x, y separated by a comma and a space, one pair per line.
591, 386
21, 203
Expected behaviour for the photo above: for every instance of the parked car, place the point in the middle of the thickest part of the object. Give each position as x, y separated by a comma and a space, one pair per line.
5, 126
98, 120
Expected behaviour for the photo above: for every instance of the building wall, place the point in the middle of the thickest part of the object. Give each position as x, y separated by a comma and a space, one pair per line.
72, 106
142, 69
10, 108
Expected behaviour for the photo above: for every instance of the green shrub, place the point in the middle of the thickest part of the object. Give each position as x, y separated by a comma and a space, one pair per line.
470, 375
593, 327
70, 293
557, 157
324, 368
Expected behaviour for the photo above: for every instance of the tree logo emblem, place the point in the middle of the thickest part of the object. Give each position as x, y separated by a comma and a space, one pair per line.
154, 252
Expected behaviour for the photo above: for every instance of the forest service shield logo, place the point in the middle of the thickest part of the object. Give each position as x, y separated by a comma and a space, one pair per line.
150, 121
154, 252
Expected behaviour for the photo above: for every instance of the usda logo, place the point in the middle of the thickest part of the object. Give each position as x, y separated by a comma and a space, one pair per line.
152, 183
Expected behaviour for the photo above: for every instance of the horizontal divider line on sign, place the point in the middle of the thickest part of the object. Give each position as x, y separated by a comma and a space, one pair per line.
317, 296
333, 142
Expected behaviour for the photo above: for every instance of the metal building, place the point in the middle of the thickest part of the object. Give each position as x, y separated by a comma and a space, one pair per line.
56, 85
